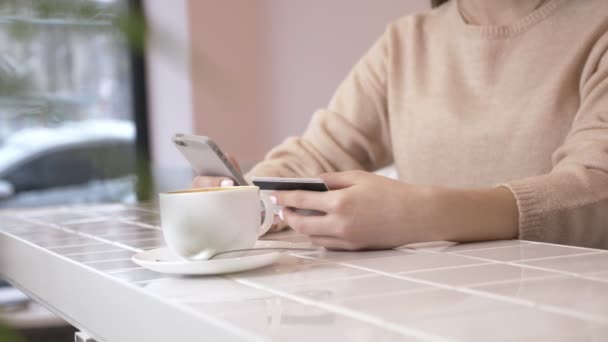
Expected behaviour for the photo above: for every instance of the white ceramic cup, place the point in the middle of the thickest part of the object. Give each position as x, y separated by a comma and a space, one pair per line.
199, 223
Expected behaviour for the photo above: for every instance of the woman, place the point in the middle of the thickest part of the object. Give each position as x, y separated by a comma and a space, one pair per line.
495, 114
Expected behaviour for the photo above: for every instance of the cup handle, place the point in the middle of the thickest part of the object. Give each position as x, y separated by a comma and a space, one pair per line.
268, 214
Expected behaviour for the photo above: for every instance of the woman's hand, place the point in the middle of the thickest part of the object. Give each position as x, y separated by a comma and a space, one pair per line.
367, 211
214, 182
363, 211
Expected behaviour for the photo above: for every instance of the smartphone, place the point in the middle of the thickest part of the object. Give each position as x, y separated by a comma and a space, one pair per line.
279, 183
206, 157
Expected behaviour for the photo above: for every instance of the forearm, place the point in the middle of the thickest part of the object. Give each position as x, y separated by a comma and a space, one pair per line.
471, 215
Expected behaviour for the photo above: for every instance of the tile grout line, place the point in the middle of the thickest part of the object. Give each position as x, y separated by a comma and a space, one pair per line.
423, 249
102, 261
437, 285
531, 259
77, 233
511, 281
122, 270
404, 330
523, 265
558, 245
445, 268
140, 224
127, 235
70, 255
594, 277
62, 227
106, 241
575, 314
87, 220
540, 268
542, 307
94, 243
564, 256
138, 240
552, 308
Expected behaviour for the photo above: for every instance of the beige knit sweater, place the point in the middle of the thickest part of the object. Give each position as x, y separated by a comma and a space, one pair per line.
450, 104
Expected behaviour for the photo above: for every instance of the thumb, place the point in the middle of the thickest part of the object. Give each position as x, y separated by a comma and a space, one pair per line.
341, 180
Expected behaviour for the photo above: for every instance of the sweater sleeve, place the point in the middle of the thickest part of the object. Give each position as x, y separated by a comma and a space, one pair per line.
569, 205
352, 133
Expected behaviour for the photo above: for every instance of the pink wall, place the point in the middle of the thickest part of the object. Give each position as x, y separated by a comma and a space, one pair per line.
262, 67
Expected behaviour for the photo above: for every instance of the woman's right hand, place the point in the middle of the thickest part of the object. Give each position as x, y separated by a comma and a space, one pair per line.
214, 182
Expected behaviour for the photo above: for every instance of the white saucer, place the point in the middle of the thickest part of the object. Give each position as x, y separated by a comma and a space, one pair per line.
164, 261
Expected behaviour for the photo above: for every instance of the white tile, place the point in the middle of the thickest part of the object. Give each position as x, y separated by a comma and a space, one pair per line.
213, 293
406, 262
480, 274
145, 243
25, 230
461, 247
301, 274
339, 289
432, 246
459, 316
114, 265
272, 316
47, 235
405, 307
107, 228
137, 275
507, 322
569, 293
99, 247
600, 275
74, 241
582, 264
286, 262
281, 319
523, 252
102, 256
342, 256
149, 233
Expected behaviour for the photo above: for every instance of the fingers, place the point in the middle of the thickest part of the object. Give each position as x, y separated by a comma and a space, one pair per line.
211, 182
308, 224
303, 199
341, 180
322, 230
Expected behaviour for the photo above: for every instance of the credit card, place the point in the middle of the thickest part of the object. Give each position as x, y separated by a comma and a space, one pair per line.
279, 184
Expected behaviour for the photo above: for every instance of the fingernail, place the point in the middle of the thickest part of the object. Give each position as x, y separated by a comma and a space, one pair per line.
227, 182
273, 199
281, 214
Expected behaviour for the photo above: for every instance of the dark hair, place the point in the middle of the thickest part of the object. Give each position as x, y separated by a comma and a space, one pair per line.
437, 3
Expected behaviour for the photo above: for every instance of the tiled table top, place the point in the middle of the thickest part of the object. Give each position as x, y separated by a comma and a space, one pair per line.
76, 261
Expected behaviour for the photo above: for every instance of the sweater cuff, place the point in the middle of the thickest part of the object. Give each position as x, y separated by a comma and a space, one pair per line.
530, 209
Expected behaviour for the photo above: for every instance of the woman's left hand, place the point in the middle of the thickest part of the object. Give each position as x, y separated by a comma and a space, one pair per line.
362, 211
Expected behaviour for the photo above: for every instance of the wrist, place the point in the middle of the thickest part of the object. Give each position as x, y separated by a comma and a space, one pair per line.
466, 215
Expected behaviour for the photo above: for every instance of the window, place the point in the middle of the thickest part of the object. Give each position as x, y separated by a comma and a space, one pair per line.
72, 113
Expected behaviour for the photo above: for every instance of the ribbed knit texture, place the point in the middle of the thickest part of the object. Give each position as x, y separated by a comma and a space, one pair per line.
450, 104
